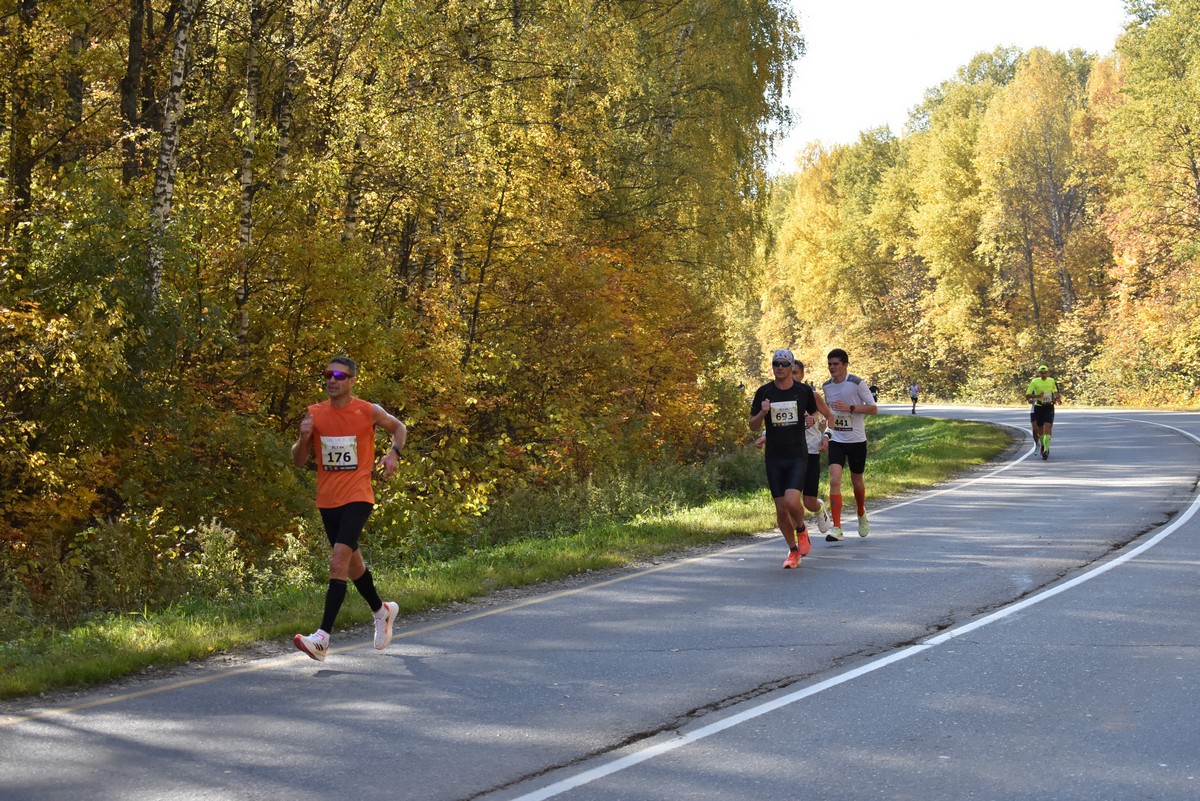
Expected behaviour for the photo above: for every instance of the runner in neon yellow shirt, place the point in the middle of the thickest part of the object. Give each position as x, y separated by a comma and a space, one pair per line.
1043, 393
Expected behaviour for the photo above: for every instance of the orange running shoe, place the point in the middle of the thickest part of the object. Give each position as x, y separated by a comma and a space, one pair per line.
793, 560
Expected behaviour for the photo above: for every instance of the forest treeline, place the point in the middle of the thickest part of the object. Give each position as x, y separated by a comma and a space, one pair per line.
546, 231
1039, 207
530, 221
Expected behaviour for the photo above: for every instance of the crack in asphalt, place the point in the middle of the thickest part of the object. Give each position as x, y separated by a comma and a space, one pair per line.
681, 721
696, 713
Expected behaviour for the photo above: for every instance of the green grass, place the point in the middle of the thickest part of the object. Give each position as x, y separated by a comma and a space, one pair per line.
906, 453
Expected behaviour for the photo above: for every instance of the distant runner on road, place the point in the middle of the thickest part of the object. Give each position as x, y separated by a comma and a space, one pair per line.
1043, 393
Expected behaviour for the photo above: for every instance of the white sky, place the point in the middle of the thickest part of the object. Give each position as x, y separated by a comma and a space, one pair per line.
869, 62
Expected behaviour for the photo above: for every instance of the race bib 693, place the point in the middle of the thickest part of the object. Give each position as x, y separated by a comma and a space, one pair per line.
785, 413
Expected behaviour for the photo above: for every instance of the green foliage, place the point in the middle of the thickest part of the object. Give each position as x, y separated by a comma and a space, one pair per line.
907, 453
17, 611
527, 223
217, 569
300, 560
1042, 207
134, 563
617, 498
403, 532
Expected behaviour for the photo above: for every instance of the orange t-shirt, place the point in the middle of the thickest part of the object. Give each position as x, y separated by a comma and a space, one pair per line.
344, 443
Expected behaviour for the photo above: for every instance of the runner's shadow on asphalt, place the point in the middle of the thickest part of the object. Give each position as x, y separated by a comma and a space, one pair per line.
326, 673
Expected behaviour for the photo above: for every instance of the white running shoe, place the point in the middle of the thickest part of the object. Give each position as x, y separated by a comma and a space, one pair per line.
834, 534
315, 645
384, 619
864, 528
824, 521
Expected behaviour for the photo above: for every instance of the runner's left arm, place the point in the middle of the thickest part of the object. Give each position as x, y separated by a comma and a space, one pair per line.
392, 425
824, 409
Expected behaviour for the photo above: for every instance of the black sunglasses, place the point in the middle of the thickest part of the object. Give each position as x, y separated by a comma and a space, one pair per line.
338, 375
781, 364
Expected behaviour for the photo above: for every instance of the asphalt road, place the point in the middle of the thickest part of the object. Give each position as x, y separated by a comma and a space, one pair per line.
1031, 630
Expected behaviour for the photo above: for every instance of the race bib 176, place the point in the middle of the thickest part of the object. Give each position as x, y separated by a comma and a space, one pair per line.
339, 453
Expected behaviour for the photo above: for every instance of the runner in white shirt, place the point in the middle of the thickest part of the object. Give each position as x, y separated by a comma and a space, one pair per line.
816, 445
850, 399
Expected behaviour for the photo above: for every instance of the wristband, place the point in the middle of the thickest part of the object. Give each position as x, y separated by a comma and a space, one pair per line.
396, 448
852, 408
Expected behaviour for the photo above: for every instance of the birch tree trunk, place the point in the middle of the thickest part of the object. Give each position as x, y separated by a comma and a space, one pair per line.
249, 140
354, 180
164, 171
20, 132
354, 190
685, 34
291, 79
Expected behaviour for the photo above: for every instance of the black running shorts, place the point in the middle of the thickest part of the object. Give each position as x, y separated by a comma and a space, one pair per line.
812, 476
853, 452
1043, 414
345, 523
786, 474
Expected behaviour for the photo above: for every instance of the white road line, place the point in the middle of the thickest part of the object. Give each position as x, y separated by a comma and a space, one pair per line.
924, 496
266, 664
291, 657
658, 749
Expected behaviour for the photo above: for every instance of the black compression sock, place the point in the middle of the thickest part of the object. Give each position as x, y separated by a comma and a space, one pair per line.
366, 588
334, 595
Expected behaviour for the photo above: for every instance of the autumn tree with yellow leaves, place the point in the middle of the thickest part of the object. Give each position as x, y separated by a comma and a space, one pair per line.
527, 221
1039, 208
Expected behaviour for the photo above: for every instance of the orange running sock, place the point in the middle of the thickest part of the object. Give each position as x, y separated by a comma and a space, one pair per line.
861, 502
835, 509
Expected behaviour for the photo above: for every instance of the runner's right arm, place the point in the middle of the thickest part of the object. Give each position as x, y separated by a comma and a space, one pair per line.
756, 418
303, 446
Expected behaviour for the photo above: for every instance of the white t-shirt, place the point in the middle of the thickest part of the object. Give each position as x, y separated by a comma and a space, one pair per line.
853, 391
813, 436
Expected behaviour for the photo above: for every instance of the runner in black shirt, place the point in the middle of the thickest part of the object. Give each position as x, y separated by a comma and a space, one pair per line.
783, 405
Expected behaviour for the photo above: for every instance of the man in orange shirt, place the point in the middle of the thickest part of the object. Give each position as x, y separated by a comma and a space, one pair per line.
341, 432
